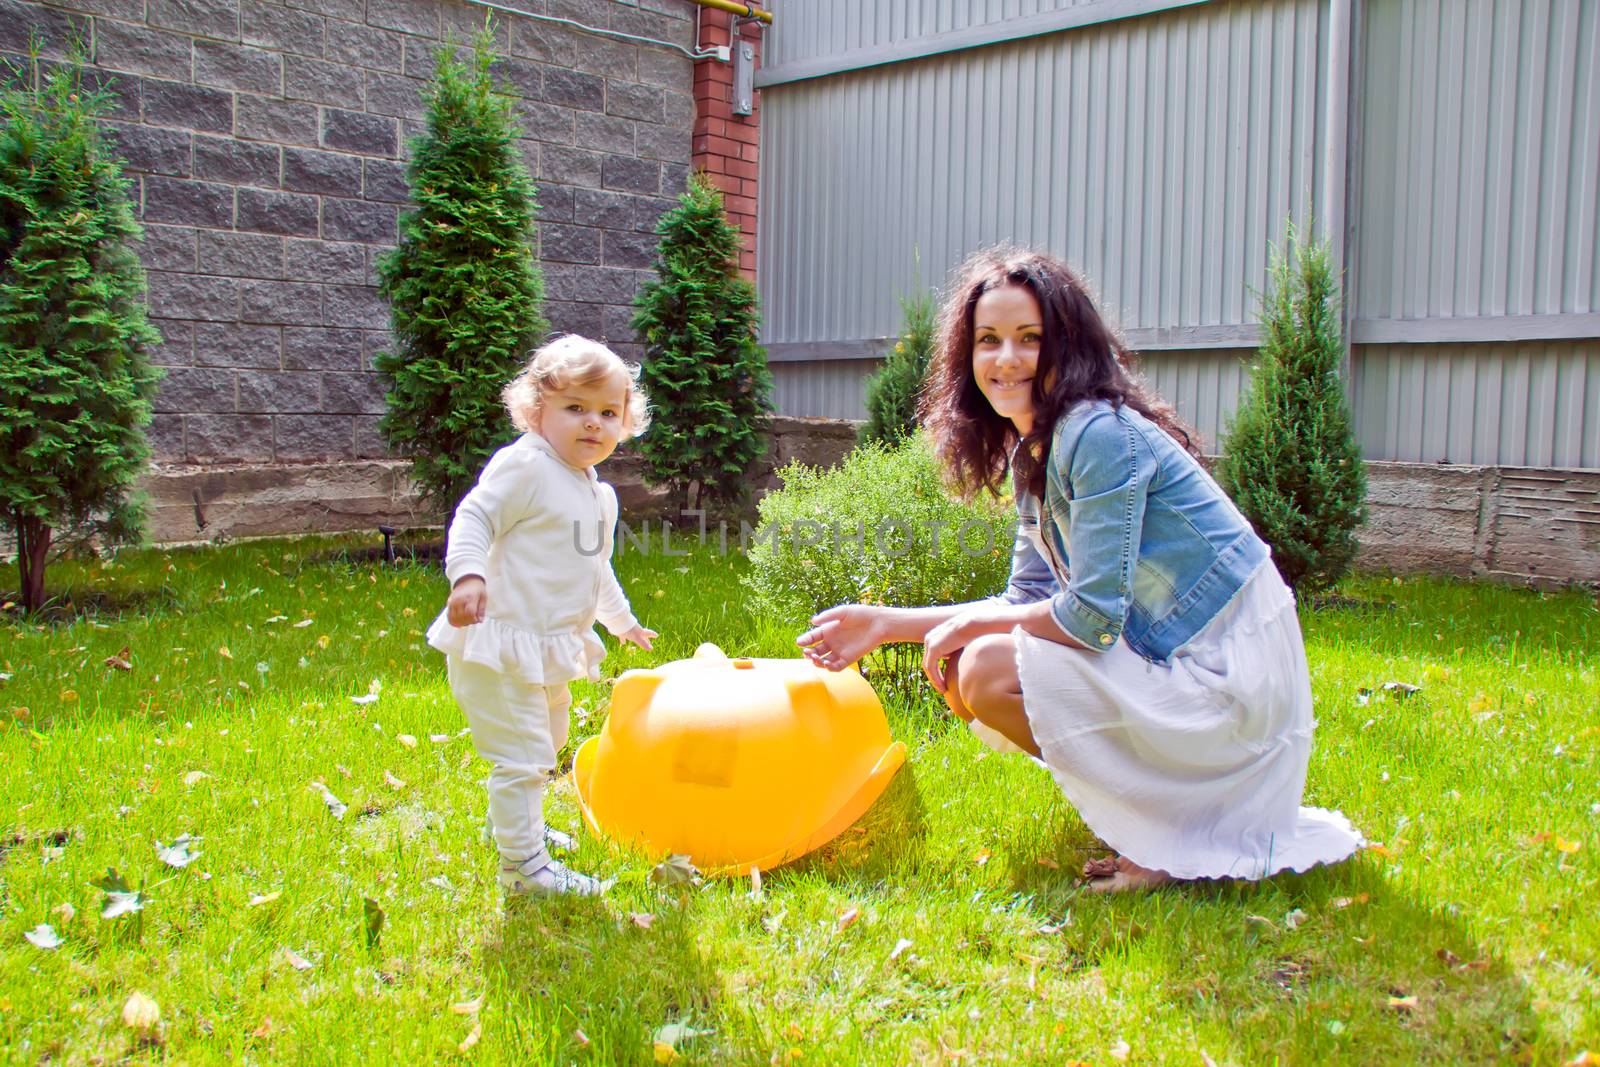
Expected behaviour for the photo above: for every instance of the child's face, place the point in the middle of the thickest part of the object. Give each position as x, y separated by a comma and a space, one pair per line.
584, 422
1007, 333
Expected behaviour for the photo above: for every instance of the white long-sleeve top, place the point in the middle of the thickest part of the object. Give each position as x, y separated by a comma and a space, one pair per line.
539, 533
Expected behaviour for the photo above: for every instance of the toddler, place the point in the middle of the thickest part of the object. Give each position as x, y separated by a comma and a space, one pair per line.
529, 562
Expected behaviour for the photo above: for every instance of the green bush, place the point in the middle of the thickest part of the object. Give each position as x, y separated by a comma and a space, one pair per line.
1290, 458
806, 554
706, 377
76, 384
892, 391
464, 292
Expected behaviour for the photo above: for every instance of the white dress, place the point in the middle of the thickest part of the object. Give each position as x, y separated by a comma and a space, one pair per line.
539, 532
1195, 766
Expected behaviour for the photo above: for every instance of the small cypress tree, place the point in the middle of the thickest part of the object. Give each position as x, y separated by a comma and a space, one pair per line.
465, 294
1290, 458
76, 384
892, 391
705, 375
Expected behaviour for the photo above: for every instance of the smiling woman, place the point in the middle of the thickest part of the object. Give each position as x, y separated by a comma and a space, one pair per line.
1145, 650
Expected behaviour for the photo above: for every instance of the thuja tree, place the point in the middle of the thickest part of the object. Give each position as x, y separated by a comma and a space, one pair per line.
465, 295
705, 375
76, 384
1290, 458
892, 391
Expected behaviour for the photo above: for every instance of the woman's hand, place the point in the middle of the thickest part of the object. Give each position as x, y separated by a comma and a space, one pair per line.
638, 636
469, 599
841, 635
943, 642
959, 631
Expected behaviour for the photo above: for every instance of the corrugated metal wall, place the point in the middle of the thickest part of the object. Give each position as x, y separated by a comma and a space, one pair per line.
1534, 404
829, 388
830, 27
1161, 155
1481, 154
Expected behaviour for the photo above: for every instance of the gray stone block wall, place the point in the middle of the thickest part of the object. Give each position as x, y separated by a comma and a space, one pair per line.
266, 139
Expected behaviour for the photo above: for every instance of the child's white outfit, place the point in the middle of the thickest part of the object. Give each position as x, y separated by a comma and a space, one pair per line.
539, 533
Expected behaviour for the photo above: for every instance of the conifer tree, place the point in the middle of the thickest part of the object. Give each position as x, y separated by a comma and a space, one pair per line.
706, 377
465, 294
76, 384
892, 391
1290, 459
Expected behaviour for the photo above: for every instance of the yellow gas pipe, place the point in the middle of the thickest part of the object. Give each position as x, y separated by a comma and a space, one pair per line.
736, 8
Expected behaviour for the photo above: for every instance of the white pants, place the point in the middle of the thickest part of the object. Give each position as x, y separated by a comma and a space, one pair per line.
519, 728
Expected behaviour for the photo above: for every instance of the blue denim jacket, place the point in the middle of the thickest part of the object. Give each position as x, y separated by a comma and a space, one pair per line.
1160, 548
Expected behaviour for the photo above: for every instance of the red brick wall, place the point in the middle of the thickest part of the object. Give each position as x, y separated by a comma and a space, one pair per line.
725, 145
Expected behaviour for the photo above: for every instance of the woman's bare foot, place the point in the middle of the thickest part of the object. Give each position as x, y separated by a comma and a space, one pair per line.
1118, 874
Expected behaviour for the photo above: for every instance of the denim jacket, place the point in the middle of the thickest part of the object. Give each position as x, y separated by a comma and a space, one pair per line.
1160, 548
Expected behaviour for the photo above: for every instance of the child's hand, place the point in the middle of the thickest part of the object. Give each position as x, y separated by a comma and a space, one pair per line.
638, 636
468, 600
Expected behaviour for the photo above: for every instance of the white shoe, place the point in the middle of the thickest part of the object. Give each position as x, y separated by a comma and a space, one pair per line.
543, 876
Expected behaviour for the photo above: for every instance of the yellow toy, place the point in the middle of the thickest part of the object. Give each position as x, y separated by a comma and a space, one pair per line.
738, 763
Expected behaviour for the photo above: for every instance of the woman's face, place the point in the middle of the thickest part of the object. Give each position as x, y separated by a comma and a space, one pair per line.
1007, 333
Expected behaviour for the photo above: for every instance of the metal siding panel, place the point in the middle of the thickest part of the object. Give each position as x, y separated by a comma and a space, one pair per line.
1480, 142
1515, 404
1525, 171
1560, 84
1584, 290
1589, 450
1168, 220
1445, 289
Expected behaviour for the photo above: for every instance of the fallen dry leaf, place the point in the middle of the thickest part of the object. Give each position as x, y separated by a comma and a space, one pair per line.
297, 961
265, 898
471, 1038
121, 661
847, 918
981, 856
406, 740
1345, 902
581, 1038
265, 1029
468, 1007
643, 920
140, 1012
394, 783
224, 653
899, 947
1046, 861
194, 776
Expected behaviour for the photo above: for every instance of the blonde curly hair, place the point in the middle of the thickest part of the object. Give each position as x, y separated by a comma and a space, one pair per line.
573, 360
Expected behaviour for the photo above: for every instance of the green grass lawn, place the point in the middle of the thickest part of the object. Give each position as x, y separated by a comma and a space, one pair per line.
946, 927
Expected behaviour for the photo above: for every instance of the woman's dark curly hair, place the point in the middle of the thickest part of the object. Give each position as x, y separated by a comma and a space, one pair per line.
1080, 358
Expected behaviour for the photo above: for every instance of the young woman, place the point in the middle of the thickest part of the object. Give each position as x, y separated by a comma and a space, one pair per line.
1145, 649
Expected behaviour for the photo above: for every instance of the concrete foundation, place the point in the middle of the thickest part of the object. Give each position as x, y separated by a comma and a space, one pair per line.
1515, 524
